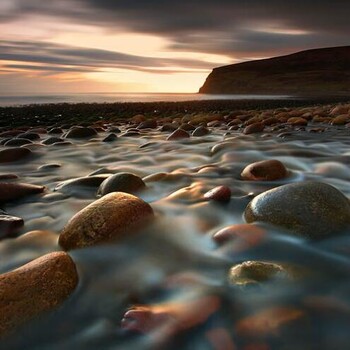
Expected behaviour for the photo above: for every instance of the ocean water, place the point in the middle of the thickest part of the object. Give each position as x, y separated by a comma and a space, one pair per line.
15, 100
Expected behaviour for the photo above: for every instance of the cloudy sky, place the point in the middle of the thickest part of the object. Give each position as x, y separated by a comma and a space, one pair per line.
57, 46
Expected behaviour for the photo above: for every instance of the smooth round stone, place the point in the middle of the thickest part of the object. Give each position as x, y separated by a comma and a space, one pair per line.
169, 127
309, 209
79, 184
178, 134
35, 288
121, 182
55, 131
254, 128
51, 140
12, 190
111, 217
251, 272
29, 135
148, 124
201, 131
110, 138
81, 132
8, 176
17, 142
265, 170
14, 154
219, 194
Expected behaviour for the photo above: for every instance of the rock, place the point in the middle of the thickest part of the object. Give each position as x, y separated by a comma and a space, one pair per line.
51, 140
110, 138
12, 190
77, 185
309, 209
148, 124
201, 131
169, 127
219, 193
340, 109
29, 136
341, 119
14, 154
297, 121
17, 142
55, 131
244, 236
178, 134
79, 132
35, 288
121, 182
9, 225
251, 272
254, 128
265, 170
111, 217
8, 176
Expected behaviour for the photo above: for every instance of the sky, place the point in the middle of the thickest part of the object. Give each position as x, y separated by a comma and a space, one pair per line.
81, 46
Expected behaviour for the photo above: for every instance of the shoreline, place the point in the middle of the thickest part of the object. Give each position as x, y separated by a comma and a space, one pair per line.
46, 114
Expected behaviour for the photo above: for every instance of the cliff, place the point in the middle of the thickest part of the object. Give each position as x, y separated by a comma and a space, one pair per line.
318, 71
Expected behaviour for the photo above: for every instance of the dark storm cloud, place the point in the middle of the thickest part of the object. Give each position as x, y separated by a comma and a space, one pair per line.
213, 26
61, 58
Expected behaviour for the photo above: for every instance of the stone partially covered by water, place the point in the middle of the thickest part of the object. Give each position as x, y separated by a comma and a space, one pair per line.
121, 182
265, 170
112, 217
35, 288
309, 209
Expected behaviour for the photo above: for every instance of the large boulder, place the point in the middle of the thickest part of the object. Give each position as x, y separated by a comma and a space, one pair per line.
34, 288
309, 209
111, 217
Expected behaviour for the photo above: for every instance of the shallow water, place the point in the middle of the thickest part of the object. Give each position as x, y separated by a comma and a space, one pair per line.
176, 260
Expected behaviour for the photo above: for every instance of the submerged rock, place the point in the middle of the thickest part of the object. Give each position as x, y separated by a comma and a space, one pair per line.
112, 217
265, 170
11, 190
14, 154
121, 182
34, 288
9, 225
250, 272
178, 134
309, 209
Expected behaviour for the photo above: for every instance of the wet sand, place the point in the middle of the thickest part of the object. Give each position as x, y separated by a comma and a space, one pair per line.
172, 275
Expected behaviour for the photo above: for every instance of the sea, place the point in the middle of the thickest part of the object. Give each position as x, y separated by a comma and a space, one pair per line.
17, 100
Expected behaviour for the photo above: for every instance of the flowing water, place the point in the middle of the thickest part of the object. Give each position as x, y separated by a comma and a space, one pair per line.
175, 263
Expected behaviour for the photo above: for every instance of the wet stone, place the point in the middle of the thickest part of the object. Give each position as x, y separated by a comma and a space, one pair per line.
309, 209
121, 182
178, 134
37, 287
219, 194
265, 170
9, 225
81, 132
112, 217
14, 154
10, 191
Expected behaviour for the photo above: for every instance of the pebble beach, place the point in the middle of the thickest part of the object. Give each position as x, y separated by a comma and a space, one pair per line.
193, 225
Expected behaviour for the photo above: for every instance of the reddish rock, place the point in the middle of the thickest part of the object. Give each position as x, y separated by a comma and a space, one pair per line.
297, 121
265, 170
178, 134
254, 128
14, 154
220, 194
341, 119
111, 217
201, 131
148, 124
11, 190
35, 288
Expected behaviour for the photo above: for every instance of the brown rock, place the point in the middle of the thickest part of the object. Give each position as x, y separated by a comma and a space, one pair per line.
9, 225
220, 194
341, 119
254, 128
11, 190
178, 134
112, 217
39, 286
79, 132
200, 131
14, 154
265, 170
297, 121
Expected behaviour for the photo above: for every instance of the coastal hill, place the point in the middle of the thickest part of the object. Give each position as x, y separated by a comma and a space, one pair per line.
319, 71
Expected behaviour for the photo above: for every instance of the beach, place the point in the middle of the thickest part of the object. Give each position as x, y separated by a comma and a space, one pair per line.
175, 225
